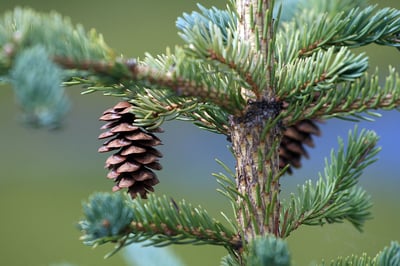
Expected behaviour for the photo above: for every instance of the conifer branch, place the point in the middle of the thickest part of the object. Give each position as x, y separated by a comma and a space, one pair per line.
348, 99
153, 107
220, 44
36, 84
220, 84
158, 220
227, 183
314, 30
241, 74
362, 260
268, 250
90, 58
28, 42
24, 28
145, 76
185, 78
319, 72
388, 256
335, 197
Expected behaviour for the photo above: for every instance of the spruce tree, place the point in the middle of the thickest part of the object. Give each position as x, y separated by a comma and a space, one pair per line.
263, 81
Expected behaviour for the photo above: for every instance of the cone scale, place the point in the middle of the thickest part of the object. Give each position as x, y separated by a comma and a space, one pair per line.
294, 139
132, 165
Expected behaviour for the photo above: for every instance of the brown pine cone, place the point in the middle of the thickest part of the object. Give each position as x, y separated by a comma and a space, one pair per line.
132, 165
294, 138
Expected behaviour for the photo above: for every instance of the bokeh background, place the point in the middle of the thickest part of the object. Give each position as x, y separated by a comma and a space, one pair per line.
45, 175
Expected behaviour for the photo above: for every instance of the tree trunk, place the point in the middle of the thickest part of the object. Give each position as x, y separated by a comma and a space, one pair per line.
255, 149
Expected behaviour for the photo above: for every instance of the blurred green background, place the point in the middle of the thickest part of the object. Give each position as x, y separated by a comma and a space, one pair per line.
47, 174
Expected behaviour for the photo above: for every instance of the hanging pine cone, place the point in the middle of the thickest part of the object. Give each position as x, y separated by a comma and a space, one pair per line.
131, 166
294, 138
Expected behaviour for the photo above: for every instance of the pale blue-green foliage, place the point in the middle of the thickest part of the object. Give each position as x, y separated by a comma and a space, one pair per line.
216, 43
335, 66
106, 216
304, 59
223, 18
210, 34
353, 260
389, 255
312, 28
36, 82
24, 27
335, 197
268, 250
159, 220
30, 41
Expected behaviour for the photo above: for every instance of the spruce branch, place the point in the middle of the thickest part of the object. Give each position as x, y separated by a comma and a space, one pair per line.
242, 74
36, 83
224, 19
23, 28
268, 250
229, 190
220, 44
349, 99
388, 256
184, 77
107, 217
314, 30
228, 186
221, 86
95, 66
29, 41
335, 196
319, 72
159, 220
362, 260
153, 107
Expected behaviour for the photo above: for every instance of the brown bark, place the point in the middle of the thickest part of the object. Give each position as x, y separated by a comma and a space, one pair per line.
256, 151
257, 169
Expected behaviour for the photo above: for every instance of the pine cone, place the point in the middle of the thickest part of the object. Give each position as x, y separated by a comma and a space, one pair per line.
131, 166
294, 138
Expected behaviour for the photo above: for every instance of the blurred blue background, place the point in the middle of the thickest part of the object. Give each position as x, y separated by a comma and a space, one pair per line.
47, 174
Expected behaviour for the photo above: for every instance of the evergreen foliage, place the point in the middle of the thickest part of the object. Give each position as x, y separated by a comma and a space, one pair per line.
107, 217
158, 220
335, 197
292, 70
268, 251
36, 81
388, 256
